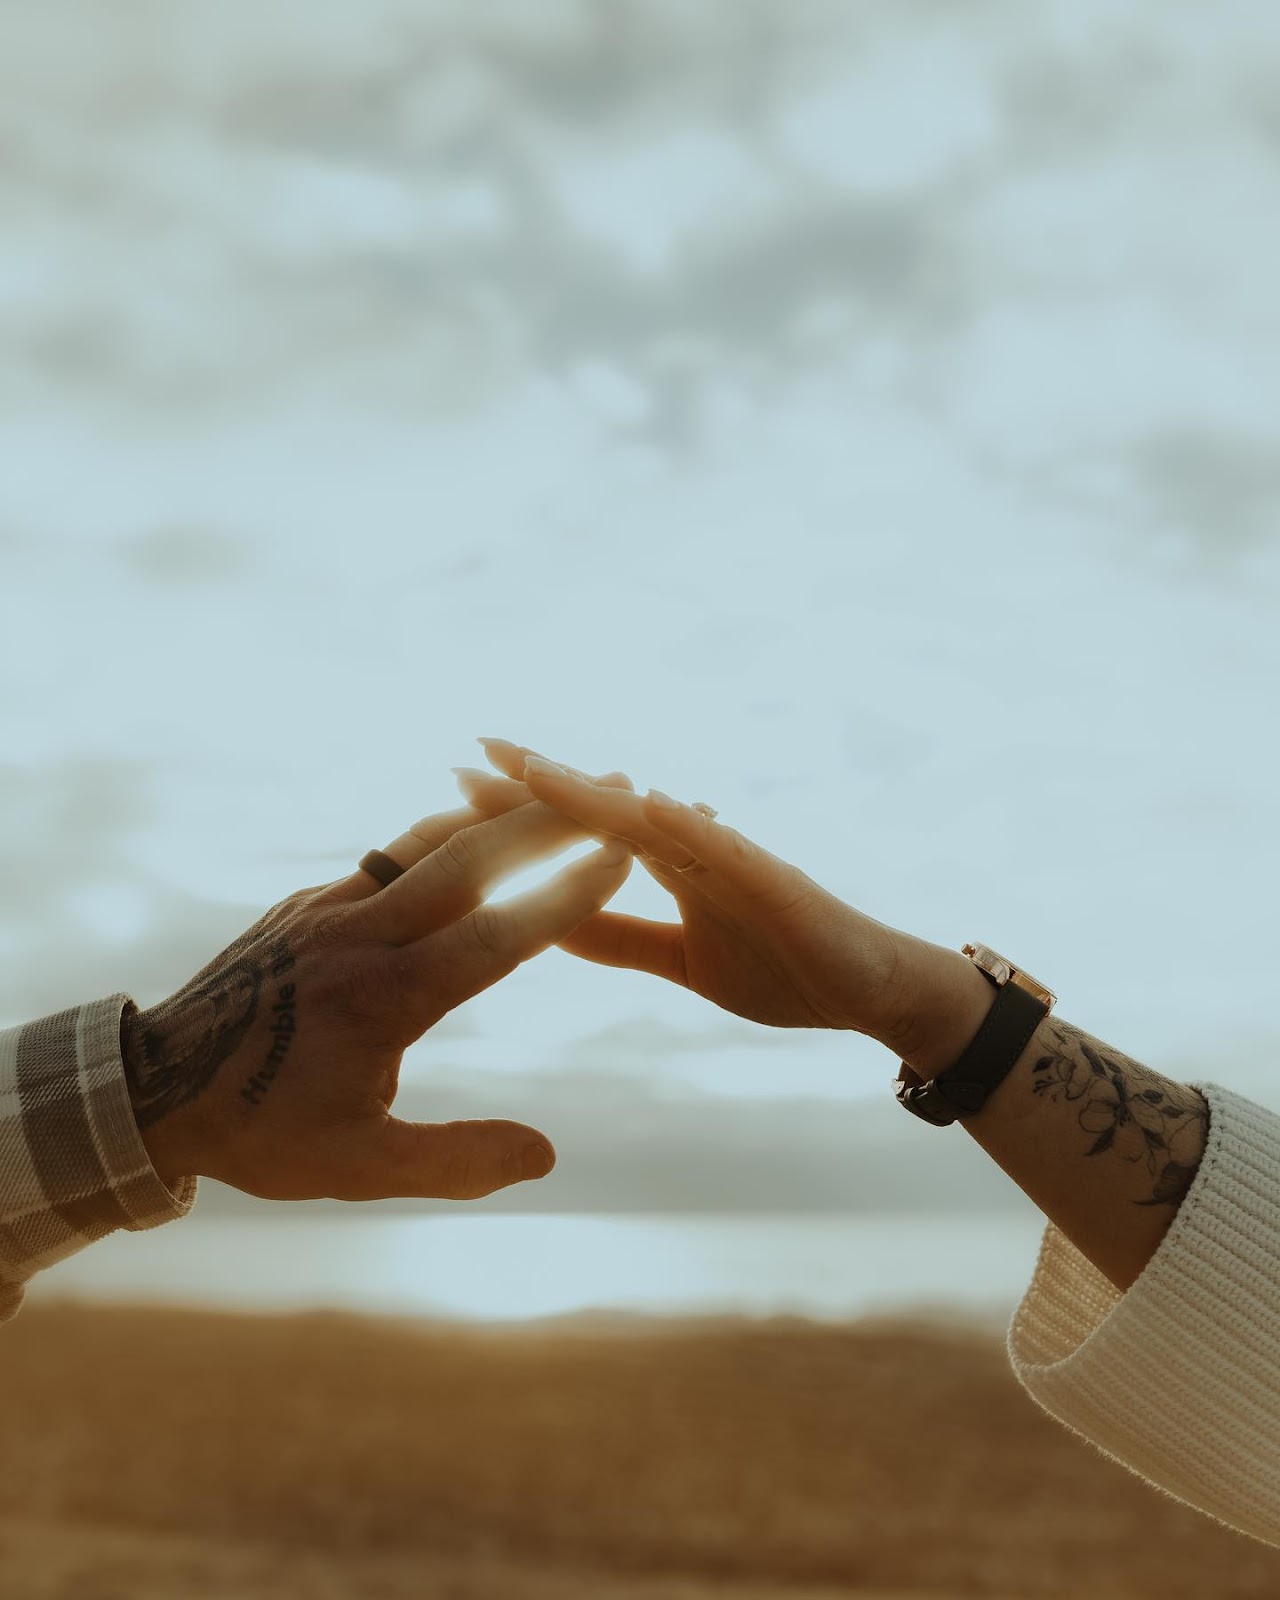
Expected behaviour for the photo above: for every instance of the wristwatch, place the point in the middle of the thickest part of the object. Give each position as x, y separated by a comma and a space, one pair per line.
960, 1090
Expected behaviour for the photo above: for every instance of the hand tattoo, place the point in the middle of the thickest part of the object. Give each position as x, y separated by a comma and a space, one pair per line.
1129, 1109
281, 1029
176, 1048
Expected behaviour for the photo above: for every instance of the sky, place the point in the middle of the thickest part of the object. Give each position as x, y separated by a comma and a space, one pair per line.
859, 418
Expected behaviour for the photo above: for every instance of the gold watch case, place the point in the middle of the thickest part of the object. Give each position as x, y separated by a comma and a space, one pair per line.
1002, 971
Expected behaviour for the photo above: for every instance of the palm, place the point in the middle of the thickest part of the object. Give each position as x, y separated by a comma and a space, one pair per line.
741, 968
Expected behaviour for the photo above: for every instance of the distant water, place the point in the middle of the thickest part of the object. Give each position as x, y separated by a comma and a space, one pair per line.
514, 1267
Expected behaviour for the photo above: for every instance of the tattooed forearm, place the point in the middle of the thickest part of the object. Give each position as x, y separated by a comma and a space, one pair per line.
1128, 1111
173, 1051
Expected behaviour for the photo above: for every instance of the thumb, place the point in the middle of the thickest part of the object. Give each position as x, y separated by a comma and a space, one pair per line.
455, 1160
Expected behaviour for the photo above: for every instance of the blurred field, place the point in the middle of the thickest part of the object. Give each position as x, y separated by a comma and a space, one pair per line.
168, 1455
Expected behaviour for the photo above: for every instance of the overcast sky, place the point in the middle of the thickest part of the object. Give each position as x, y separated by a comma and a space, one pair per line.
861, 418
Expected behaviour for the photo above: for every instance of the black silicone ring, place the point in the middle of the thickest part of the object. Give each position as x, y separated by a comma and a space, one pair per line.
379, 865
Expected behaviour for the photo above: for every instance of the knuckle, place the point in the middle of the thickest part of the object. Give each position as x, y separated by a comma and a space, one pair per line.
740, 847
782, 891
792, 896
284, 914
486, 929
305, 903
327, 928
457, 856
301, 909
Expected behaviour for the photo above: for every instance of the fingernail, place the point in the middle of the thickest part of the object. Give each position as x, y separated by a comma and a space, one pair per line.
536, 1161
664, 802
545, 769
488, 742
469, 772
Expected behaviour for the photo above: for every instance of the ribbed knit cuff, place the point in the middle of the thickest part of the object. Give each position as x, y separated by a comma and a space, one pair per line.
1178, 1378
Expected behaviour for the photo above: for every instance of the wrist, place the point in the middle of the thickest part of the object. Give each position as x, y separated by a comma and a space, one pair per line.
948, 999
160, 1137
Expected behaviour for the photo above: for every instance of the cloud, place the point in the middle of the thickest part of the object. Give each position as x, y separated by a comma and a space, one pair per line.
80, 917
304, 225
1078, 99
66, 823
1221, 489
115, 932
637, 1041
420, 211
176, 555
625, 1147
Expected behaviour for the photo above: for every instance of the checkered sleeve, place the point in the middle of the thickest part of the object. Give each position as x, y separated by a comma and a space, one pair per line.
73, 1167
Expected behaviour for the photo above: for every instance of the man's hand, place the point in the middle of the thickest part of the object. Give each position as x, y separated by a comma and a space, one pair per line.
274, 1069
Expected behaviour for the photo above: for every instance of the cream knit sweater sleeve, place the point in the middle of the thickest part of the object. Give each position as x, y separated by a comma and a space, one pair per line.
1178, 1378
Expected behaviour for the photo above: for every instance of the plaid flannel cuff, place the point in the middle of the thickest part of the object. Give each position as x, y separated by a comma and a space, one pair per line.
73, 1167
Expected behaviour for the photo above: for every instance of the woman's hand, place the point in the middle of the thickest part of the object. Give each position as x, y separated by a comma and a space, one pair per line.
756, 935
274, 1069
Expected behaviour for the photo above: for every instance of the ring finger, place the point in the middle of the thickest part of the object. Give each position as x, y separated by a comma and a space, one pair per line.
428, 834
455, 877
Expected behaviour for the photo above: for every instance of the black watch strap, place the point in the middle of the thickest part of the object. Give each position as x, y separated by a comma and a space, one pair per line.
962, 1089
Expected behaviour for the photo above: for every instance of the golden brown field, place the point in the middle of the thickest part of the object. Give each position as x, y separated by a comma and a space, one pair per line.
169, 1455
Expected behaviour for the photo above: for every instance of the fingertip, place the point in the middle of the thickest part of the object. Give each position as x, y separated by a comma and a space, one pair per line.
536, 1161
501, 1152
612, 856
663, 811
540, 767
507, 757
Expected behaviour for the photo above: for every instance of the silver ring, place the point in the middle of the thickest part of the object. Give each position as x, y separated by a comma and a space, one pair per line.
704, 810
